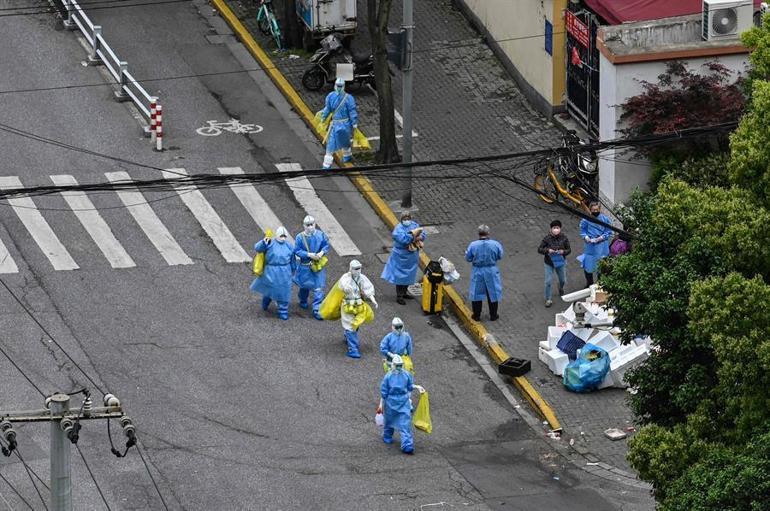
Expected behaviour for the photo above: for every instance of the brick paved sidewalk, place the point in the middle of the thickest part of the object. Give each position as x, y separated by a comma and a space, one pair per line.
465, 105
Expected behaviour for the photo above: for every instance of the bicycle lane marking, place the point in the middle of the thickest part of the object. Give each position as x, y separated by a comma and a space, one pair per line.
313, 205
38, 228
211, 222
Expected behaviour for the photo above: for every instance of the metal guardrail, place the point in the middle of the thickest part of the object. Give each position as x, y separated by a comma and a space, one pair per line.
101, 53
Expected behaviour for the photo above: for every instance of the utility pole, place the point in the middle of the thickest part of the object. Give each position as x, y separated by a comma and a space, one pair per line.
408, 26
65, 427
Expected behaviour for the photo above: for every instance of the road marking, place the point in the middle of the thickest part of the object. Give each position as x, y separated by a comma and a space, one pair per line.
312, 203
252, 201
153, 228
7, 264
41, 232
94, 224
224, 240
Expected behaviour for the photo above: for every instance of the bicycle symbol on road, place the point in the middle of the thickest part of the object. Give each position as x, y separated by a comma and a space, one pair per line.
215, 128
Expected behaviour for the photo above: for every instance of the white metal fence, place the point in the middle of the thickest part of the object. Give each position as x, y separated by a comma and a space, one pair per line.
101, 53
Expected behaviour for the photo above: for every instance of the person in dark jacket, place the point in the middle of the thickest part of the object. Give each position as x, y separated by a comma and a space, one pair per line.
555, 248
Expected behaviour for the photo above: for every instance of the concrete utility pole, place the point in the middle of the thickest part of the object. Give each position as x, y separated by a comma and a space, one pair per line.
65, 425
408, 26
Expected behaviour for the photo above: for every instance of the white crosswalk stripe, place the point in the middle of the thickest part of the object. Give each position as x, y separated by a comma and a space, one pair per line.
312, 203
149, 222
7, 264
224, 240
252, 201
94, 224
38, 228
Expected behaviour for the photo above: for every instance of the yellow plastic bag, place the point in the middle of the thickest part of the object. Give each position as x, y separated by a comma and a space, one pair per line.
365, 314
360, 141
316, 266
421, 416
322, 127
408, 364
258, 265
330, 306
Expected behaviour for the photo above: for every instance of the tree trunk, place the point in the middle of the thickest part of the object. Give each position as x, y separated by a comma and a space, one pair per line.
377, 16
290, 26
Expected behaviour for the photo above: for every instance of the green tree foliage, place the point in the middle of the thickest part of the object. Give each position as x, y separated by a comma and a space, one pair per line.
750, 151
724, 480
685, 235
699, 170
731, 315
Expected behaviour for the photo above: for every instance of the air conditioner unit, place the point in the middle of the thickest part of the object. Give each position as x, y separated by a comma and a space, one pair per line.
726, 19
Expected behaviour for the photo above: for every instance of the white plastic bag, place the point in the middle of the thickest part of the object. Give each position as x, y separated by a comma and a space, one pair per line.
450, 272
379, 419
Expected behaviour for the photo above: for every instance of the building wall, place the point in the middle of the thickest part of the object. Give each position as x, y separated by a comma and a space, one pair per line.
619, 171
516, 31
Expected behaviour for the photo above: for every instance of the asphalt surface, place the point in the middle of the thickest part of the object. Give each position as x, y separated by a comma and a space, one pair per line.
234, 408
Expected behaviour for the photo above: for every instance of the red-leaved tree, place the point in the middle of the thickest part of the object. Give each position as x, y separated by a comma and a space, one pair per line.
685, 99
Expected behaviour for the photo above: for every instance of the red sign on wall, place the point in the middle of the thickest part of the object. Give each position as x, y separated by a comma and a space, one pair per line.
577, 29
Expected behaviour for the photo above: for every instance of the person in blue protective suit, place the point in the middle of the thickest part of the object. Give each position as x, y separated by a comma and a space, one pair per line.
310, 247
395, 390
397, 342
401, 268
275, 281
483, 255
342, 107
596, 246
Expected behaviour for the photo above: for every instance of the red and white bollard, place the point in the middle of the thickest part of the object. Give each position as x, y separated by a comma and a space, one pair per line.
159, 128
153, 113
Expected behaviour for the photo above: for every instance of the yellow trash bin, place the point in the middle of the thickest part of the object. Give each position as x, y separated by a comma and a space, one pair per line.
433, 289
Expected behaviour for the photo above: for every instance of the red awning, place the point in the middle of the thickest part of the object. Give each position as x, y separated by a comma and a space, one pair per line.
615, 12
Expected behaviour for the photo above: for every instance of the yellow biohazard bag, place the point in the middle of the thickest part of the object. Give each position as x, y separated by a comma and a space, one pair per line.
258, 264
322, 127
365, 314
360, 141
330, 306
421, 416
316, 266
408, 364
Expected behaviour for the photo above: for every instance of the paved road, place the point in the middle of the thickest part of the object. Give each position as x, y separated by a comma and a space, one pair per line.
235, 410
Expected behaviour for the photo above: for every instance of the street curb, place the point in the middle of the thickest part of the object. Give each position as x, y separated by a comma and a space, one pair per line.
476, 329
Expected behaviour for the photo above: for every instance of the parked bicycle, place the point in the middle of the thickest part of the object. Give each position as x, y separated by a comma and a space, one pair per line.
571, 176
267, 22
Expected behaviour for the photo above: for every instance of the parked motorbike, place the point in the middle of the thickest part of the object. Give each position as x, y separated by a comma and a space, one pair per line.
323, 61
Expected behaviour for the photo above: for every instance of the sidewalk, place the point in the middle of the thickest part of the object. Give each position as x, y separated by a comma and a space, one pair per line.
466, 105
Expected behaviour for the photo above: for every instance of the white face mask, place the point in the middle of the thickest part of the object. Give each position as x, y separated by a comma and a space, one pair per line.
555, 231
309, 230
406, 223
282, 239
355, 273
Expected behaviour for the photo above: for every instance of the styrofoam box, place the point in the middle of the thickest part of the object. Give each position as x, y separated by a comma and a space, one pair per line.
607, 381
625, 362
545, 345
556, 360
560, 320
554, 334
643, 341
605, 340
569, 314
583, 333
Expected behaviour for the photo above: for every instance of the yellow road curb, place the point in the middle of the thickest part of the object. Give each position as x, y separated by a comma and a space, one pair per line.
476, 329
